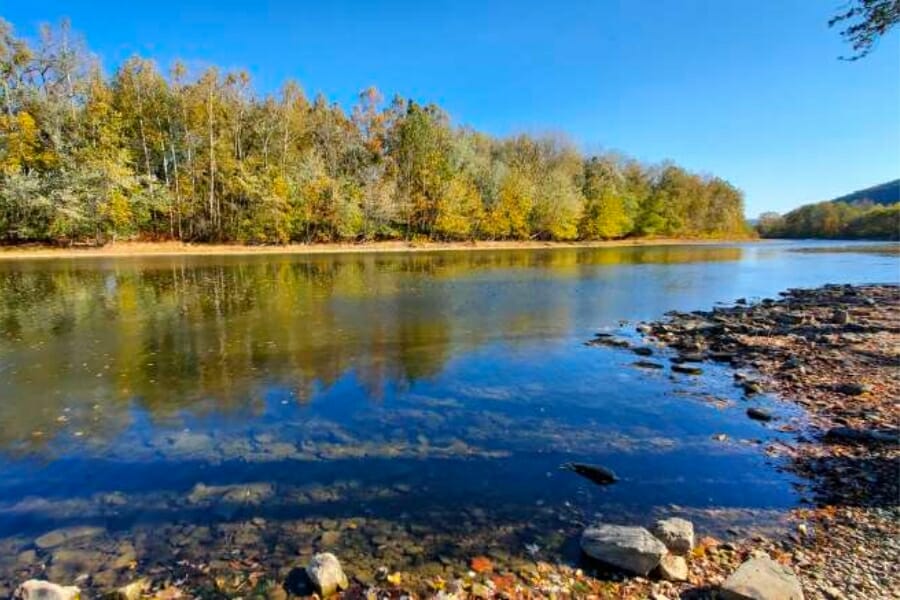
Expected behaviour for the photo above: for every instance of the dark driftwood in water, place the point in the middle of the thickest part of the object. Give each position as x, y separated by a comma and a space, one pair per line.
597, 474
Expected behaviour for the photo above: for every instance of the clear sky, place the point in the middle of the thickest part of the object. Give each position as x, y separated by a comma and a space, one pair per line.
751, 90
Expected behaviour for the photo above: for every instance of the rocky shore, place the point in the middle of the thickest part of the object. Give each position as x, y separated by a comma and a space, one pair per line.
835, 351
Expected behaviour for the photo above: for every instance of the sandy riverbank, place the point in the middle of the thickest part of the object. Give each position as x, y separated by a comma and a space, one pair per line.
186, 249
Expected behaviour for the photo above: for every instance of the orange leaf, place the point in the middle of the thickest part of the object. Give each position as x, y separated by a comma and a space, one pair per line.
708, 542
480, 564
503, 583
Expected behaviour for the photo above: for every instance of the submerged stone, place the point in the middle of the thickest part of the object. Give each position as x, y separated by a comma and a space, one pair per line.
58, 537
758, 414
596, 473
752, 387
648, 364
330, 538
687, 370
133, 591
65, 562
189, 442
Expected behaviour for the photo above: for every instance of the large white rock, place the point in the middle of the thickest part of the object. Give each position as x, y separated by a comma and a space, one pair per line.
326, 574
631, 549
35, 589
762, 579
677, 534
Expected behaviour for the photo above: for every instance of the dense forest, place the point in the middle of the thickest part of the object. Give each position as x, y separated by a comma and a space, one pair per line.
872, 213
834, 220
138, 154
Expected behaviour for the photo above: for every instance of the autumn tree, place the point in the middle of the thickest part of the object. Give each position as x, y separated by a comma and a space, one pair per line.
200, 156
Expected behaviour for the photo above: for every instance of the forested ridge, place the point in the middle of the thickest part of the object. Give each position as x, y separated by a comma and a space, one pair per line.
872, 213
139, 154
886, 193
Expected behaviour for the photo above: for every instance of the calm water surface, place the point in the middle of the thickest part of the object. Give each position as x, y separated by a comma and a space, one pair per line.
384, 405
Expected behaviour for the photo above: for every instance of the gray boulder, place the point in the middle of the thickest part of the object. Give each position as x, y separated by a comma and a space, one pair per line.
36, 589
677, 534
673, 568
762, 579
326, 574
632, 549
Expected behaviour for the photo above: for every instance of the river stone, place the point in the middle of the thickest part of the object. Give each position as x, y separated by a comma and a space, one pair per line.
189, 442
330, 538
849, 435
35, 589
762, 579
238, 494
249, 493
840, 317
58, 537
852, 389
648, 364
758, 414
104, 579
326, 575
687, 369
126, 556
631, 549
752, 387
677, 534
673, 568
133, 591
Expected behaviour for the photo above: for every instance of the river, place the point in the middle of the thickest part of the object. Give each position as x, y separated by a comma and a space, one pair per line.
405, 410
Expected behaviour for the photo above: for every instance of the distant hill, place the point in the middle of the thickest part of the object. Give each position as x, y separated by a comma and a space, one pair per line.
869, 214
886, 193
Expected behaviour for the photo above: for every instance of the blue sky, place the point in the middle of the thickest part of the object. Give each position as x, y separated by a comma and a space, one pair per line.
750, 90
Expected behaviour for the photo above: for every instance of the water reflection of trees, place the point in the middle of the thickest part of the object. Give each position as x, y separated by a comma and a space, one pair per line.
80, 341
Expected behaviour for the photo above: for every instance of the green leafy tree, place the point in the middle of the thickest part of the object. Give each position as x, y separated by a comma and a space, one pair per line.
605, 211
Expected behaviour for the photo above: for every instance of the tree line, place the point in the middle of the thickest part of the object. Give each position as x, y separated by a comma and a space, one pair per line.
139, 154
834, 220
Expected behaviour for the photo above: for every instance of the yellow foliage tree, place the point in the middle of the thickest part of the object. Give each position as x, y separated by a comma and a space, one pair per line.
22, 151
508, 217
459, 210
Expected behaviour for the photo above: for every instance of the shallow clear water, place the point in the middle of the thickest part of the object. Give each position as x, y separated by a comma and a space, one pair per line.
421, 396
